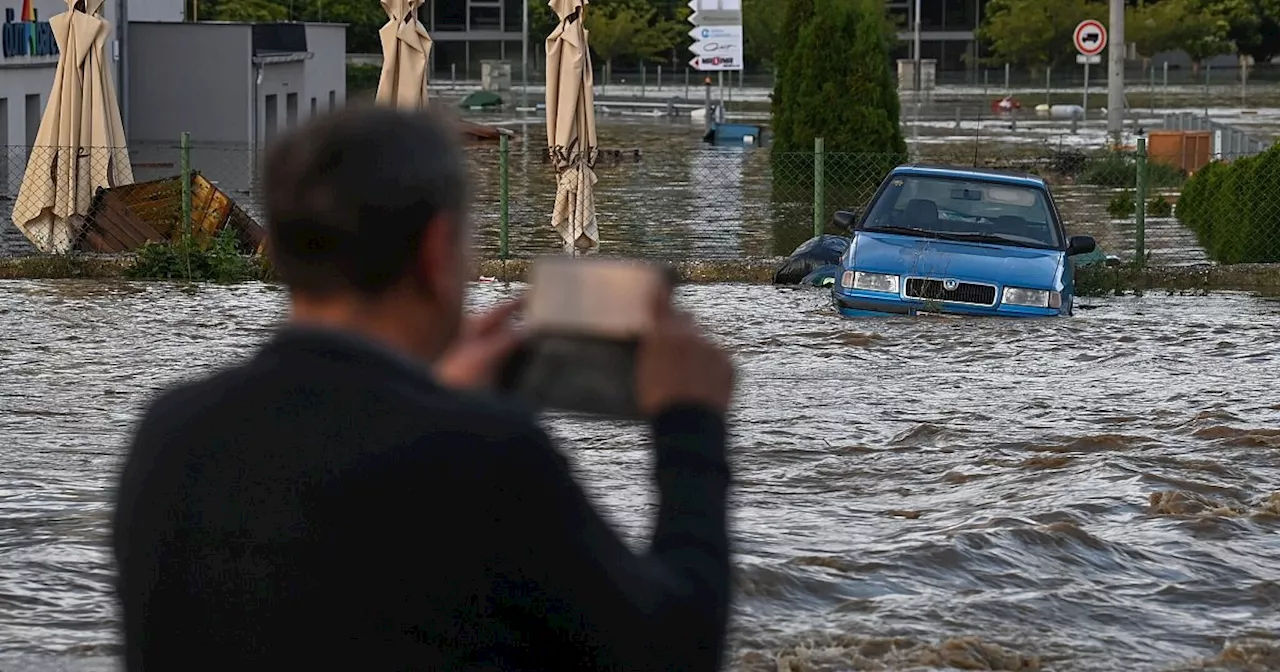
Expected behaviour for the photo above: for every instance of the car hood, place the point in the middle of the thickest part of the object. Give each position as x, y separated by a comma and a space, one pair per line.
913, 255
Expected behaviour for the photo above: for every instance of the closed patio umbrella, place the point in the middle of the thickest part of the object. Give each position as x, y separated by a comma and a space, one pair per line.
80, 145
571, 127
405, 50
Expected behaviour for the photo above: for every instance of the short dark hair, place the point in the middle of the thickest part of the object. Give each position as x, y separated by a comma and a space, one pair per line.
349, 195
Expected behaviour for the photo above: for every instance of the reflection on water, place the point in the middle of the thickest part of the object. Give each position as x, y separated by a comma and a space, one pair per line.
1095, 493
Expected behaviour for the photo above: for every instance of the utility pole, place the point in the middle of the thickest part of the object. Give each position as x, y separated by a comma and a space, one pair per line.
915, 69
524, 49
1116, 48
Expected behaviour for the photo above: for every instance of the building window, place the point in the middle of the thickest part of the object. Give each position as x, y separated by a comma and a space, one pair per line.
33, 119
511, 17
484, 17
333, 101
272, 112
931, 14
291, 109
449, 15
313, 107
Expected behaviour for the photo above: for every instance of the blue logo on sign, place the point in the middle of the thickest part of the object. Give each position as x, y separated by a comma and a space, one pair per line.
27, 38
706, 33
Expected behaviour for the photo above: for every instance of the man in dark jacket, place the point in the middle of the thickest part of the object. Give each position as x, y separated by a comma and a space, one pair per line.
351, 498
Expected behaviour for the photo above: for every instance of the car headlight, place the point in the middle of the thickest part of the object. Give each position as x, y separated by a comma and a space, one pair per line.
870, 282
1034, 298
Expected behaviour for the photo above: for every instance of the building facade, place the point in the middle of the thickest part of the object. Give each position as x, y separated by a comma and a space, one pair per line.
466, 32
947, 31
237, 84
232, 86
30, 56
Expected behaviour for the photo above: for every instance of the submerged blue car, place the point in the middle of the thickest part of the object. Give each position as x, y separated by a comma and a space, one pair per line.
960, 241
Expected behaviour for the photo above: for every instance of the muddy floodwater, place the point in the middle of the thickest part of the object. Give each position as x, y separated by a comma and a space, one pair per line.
1093, 493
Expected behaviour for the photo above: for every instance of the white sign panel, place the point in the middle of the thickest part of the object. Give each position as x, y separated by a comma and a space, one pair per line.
715, 5
716, 12
1081, 59
715, 63
722, 42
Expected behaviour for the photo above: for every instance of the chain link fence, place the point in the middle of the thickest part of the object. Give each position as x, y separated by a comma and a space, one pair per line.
1160, 206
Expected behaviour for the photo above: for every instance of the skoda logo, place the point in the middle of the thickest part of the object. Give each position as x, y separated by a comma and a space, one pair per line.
950, 285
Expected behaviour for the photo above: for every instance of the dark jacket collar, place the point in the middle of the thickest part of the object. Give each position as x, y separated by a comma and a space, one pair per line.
323, 345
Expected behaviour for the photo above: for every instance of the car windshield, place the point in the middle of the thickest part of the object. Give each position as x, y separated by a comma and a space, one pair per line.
965, 209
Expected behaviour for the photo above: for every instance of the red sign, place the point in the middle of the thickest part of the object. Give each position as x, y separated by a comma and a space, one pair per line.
1090, 37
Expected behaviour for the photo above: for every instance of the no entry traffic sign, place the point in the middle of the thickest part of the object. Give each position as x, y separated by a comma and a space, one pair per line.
1090, 37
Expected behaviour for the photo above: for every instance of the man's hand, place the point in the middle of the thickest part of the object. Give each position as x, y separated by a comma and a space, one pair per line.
483, 345
678, 365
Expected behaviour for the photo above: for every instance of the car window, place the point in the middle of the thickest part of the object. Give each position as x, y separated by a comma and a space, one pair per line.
1015, 214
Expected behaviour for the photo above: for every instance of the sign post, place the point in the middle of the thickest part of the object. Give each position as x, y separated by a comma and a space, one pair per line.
1090, 39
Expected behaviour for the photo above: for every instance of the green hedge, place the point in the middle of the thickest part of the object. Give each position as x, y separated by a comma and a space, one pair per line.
1234, 208
1120, 170
362, 77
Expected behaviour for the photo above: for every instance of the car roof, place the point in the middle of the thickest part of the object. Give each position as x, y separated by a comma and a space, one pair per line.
984, 174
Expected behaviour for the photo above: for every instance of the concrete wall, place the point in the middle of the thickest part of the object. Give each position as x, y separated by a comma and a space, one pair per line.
156, 10
281, 84
327, 70
192, 77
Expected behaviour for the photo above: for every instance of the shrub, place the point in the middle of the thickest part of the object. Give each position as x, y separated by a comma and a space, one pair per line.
1234, 208
1159, 207
220, 260
836, 83
1120, 169
1122, 205
362, 77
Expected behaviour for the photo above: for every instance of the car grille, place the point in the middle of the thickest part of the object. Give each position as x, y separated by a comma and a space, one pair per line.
965, 292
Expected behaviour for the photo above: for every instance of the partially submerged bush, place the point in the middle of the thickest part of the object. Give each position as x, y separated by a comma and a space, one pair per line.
1122, 205
1120, 170
220, 260
1234, 208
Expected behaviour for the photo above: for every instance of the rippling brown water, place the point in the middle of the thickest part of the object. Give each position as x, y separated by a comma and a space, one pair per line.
1092, 493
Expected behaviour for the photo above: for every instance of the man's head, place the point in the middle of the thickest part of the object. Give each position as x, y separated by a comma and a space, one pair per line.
367, 222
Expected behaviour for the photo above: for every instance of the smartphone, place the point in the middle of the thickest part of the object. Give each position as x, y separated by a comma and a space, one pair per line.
583, 320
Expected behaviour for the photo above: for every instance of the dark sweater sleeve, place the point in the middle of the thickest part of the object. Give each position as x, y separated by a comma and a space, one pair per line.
603, 606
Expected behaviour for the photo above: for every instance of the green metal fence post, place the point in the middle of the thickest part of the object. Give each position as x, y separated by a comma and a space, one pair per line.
186, 201
1140, 206
504, 153
186, 184
819, 186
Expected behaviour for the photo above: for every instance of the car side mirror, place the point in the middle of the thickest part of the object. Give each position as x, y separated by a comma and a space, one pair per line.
845, 220
1081, 245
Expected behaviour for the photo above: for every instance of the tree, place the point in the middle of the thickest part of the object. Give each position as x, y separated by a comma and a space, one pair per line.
799, 13
839, 83
1152, 26
1034, 33
762, 29
1253, 26
1201, 28
628, 28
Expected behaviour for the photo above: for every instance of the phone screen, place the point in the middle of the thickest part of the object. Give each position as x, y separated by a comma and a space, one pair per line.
583, 321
